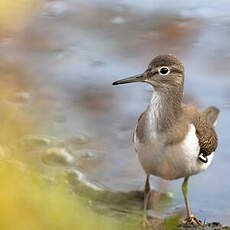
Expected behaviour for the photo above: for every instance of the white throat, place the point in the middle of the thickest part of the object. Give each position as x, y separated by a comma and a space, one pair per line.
153, 115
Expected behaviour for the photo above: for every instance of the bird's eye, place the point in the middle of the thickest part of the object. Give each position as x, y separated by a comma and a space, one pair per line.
164, 70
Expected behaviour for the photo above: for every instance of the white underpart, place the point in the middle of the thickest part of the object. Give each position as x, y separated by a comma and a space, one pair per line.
151, 117
215, 123
171, 161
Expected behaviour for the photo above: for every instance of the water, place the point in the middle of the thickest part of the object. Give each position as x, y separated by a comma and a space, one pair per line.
72, 51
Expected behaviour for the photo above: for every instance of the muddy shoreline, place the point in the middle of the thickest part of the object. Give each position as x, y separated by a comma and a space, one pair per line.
120, 204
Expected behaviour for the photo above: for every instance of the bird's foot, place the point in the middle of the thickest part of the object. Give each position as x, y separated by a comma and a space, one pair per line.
191, 220
146, 223
151, 221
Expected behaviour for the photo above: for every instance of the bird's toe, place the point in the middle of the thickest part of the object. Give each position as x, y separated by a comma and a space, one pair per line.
192, 220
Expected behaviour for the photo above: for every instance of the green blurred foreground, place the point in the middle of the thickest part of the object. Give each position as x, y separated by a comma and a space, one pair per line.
29, 201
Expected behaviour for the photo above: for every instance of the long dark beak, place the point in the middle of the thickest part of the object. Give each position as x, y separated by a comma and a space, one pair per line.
136, 78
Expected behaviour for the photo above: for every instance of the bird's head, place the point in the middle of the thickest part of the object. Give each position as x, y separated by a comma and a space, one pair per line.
163, 72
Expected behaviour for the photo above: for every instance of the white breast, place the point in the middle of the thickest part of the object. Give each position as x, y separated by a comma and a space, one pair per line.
174, 161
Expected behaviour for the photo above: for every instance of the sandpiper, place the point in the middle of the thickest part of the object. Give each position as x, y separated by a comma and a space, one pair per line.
173, 140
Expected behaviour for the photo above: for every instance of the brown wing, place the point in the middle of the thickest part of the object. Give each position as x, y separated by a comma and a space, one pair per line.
206, 135
212, 114
203, 122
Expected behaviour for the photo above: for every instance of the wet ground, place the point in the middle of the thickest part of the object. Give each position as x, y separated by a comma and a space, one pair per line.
62, 64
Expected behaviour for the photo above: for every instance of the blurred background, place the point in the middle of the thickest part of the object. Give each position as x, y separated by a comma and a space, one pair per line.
60, 113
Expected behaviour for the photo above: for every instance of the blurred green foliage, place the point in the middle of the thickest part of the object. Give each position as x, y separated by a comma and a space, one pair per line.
29, 201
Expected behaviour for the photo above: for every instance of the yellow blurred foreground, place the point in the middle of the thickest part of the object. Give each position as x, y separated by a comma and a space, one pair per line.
28, 201
14, 13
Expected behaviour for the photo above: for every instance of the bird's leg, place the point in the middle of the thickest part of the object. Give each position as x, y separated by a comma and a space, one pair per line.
147, 193
190, 218
147, 186
185, 193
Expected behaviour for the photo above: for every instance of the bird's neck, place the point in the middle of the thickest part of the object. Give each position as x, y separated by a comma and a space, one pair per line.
164, 108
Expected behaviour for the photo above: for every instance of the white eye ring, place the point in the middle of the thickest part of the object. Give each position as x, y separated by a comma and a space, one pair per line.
164, 70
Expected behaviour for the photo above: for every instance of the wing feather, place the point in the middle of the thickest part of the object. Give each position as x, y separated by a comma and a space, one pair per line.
204, 124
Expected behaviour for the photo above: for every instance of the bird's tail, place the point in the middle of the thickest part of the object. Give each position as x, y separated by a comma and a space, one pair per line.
212, 114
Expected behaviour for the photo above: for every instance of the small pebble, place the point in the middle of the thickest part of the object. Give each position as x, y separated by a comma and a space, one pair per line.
118, 20
35, 140
76, 177
55, 8
57, 156
78, 139
87, 155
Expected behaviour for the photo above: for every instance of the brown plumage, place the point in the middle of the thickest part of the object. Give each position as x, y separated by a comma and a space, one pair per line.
203, 122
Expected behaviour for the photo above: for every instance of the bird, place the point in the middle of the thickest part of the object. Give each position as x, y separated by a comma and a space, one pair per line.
173, 140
